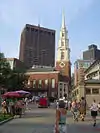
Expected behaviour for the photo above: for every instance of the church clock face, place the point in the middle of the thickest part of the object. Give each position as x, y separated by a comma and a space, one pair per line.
62, 64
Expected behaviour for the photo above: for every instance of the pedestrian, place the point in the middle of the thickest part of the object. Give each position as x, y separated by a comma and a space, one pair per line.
66, 104
94, 109
26, 102
69, 105
12, 107
57, 104
4, 110
75, 109
18, 107
7, 103
99, 107
82, 108
61, 126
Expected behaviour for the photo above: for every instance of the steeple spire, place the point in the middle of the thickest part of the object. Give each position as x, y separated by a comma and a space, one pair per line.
63, 20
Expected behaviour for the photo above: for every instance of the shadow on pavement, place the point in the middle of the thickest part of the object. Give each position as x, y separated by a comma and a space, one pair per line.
32, 115
83, 128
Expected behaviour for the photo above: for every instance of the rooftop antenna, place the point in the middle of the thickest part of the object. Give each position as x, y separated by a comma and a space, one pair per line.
39, 22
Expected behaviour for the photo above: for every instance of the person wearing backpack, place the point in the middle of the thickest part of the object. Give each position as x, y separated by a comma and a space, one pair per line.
61, 117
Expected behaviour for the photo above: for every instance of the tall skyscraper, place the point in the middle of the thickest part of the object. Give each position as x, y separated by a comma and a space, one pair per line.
93, 53
37, 46
63, 52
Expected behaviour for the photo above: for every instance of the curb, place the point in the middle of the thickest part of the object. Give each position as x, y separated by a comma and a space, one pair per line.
5, 121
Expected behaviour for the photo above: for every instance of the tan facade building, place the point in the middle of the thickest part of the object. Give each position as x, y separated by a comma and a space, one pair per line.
79, 68
90, 87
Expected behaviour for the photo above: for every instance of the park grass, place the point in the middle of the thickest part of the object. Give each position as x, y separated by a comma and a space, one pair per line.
4, 117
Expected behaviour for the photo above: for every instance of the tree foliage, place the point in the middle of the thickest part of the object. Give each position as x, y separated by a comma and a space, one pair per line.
10, 79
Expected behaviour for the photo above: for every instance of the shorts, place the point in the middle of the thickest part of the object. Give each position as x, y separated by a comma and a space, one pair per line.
93, 113
62, 128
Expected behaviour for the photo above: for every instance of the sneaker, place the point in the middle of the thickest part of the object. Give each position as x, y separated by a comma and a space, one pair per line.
94, 124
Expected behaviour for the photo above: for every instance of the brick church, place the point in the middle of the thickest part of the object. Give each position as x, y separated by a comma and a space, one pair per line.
53, 81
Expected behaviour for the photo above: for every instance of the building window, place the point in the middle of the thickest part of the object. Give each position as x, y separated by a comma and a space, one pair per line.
88, 91
60, 83
27, 28
46, 81
95, 91
64, 86
28, 82
62, 34
34, 83
53, 83
40, 83
60, 95
60, 89
30, 53
31, 83
62, 55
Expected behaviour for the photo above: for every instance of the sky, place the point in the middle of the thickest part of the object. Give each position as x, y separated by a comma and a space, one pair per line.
82, 22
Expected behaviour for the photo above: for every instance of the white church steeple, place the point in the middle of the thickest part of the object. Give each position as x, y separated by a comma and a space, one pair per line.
63, 51
63, 20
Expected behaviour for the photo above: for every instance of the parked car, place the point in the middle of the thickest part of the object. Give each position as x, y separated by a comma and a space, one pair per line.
43, 102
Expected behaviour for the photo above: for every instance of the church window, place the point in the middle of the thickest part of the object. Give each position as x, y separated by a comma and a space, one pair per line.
62, 34
62, 55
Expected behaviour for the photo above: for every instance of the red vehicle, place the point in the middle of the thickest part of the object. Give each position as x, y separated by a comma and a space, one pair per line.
43, 102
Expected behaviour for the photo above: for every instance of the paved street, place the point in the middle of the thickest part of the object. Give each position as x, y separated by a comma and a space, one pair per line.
42, 121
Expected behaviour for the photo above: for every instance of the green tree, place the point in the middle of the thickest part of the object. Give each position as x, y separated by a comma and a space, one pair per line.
5, 70
17, 81
10, 79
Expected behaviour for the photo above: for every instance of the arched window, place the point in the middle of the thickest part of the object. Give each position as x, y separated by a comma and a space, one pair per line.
62, 55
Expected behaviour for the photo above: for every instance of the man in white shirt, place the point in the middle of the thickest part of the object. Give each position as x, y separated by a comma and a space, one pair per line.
94, 109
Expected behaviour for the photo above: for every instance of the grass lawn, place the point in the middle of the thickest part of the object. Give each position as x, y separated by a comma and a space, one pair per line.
2, 117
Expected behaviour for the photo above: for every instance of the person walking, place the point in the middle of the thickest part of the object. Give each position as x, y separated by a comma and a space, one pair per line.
4, 110
26, 102
94, 109
82, 108
69, 104
75, 109
99, 107
61, 112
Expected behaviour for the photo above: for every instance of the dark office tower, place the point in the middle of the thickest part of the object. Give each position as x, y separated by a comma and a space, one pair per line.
37, 46
93, 53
